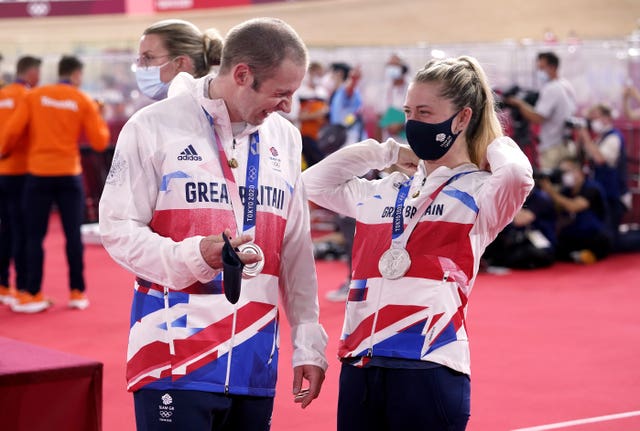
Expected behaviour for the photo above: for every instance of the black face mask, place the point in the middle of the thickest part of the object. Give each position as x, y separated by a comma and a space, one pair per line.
430, 141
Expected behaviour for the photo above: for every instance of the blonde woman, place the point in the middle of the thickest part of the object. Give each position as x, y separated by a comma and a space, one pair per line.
172, 46
417, 248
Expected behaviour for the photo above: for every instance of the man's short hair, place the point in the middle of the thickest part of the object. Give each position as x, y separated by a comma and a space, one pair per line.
263, 44
69, 64
27, 62
550, 57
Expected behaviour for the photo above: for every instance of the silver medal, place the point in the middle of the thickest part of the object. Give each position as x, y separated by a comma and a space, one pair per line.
394, 263
252, 269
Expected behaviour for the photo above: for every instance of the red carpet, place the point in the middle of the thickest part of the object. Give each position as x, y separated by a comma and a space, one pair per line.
548, 346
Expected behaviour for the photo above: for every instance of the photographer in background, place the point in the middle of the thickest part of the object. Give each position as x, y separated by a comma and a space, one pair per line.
530, 240
607, 157
520, 128
583, 231
555, 104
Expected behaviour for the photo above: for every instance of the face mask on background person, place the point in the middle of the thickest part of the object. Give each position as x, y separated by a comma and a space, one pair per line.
430, 141
598, 126
329, 82
149, 82
316, 80
543, 76
393, 72
568, 179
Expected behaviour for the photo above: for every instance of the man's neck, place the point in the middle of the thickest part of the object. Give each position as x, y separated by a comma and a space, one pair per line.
219, 89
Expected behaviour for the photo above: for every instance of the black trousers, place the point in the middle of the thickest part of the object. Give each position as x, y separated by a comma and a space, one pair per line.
40, 194
396, 399
180, 410
12, 233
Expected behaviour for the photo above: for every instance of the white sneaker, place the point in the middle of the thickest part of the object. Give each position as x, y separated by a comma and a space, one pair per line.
339, 295
7, 295
28, 303
78, 300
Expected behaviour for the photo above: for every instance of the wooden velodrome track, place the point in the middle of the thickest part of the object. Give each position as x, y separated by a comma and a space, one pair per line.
324, 23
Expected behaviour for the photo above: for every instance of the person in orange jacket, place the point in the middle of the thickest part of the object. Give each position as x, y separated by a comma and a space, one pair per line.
55, 116
13, 171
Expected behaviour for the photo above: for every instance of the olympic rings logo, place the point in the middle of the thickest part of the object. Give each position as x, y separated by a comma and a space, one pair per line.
252, 173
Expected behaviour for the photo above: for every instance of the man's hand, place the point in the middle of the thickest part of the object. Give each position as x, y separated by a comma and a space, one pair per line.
315, 376
546, 185
211, 249
524, 217
512, 101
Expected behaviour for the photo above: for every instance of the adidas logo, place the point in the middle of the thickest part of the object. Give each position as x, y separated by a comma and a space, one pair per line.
189, 153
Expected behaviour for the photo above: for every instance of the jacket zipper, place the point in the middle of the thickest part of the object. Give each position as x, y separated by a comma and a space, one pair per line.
375, 320
233, 324
172, 349
231, 343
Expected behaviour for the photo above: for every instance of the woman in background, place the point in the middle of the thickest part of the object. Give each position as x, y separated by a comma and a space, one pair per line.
172, 46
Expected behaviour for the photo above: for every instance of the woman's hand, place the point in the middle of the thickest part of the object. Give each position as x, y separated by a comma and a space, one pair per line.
407, 161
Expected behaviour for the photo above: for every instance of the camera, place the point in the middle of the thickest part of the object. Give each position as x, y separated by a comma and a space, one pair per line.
576, 123
521, 132
529, 96
553, 175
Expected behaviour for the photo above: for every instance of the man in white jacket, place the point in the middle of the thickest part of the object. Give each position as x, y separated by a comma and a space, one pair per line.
211, 159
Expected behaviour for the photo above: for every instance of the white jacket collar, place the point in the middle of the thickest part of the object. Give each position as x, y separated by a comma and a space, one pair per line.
443, 172
199, 89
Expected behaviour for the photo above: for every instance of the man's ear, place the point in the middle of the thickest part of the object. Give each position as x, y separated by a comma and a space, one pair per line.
76, 77
242, 74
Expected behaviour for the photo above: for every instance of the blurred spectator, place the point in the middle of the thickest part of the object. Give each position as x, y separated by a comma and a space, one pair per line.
334, 134
529, 241
13, 172
583, 231
631, 93
608, 159
346, 127
346, 107
55, 116
392, 117
314, 109
555, 104
335, 77
172, 46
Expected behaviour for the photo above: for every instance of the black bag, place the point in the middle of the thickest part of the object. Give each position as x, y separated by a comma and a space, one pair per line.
232, 268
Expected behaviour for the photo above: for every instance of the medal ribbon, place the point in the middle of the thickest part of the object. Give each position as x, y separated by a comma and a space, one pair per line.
399, 233
248, 220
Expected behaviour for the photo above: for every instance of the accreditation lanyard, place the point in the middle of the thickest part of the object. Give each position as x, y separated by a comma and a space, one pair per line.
248, 219
399, 233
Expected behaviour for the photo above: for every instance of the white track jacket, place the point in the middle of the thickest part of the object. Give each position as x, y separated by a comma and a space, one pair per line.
164, 193
421, 316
